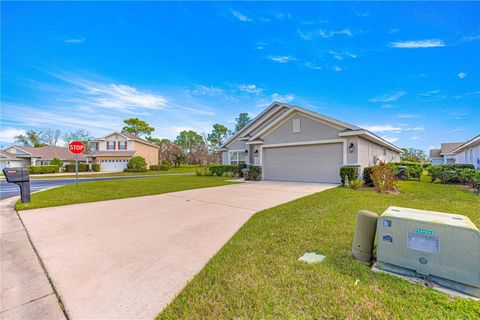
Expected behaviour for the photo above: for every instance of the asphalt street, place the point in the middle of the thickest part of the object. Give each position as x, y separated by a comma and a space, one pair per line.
8, 190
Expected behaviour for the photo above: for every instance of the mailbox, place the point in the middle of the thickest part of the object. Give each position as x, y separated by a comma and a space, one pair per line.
20, 177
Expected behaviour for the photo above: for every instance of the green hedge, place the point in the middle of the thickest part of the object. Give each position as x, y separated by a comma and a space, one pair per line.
219, 170
42, 169
82, 167
407, 169
451, 173
96, 167
254, 173
350, 172
367, 177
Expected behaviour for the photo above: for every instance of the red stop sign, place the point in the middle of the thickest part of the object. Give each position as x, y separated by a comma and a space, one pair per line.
76, 147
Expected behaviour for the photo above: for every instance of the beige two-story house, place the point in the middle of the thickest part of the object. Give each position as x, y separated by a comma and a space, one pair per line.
113, 151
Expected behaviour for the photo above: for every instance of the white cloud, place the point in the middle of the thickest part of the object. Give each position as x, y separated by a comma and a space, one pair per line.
241, 16
462, 75
408, 115
390, 128
429, 43
429, 93
312, 66
394, 30
337, 69
391, 139
286, 98
471, 38
250, 88
388, 106
74, 40
207, 90
282, 59
388, 97
261, 45
9, 134
331, 33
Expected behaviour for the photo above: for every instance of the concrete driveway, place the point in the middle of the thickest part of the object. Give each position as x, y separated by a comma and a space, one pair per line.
128, 258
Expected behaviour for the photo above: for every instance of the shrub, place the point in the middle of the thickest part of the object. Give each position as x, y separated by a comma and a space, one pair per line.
367, 176
348, 172
136, 164
56, 162
218, 170
476, 179
82, 167
383, 178
448, 173
96, 167
204, 172
407, 169
229, 174
356, 184
42, 169
254, 173
154, 167
164, 166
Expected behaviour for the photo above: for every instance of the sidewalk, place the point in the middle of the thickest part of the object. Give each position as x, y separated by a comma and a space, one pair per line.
26, 292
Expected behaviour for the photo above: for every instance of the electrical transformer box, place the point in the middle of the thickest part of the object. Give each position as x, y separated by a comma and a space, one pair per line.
441, 247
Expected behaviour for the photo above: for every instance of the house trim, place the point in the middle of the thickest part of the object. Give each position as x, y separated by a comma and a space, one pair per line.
377, 139
466, 145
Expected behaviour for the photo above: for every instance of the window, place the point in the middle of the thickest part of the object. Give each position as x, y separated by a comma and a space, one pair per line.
237, 157
295, 125
122, 145
110, 145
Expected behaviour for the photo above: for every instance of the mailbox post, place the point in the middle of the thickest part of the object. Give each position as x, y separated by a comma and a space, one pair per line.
20, 177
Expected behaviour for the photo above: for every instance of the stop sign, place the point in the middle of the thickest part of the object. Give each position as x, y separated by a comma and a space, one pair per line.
76, 147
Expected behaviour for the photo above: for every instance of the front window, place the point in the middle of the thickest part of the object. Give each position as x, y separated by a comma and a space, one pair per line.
110, 145
122, 145
237, 157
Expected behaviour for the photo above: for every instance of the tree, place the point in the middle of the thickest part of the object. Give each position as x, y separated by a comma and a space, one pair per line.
137, 127
414, 155
192, 144
81, 135
219, 134
163, 146
174, 154
242, 121
31, 138
50, 137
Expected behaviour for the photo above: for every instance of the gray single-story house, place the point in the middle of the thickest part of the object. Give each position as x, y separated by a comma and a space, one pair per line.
294, 144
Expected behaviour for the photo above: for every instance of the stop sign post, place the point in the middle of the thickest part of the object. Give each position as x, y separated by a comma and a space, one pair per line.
76, 147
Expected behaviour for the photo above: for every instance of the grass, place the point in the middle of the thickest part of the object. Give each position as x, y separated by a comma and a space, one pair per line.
180, 170
117, 189
256, 275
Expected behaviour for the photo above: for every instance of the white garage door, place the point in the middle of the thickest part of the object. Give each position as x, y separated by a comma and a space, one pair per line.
113, 165
312, 163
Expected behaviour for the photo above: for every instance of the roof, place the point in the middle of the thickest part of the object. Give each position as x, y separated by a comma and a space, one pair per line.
46, 153
448, 147
348, 129
7, 155
471, 142
129, 136
435, 153
112, 154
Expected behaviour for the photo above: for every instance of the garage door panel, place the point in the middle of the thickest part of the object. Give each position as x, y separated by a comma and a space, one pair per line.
113, 165
312, 163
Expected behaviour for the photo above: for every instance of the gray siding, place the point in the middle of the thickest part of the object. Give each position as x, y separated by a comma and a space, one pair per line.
224, 157
352, 157
237, 145
310, 130
369, 151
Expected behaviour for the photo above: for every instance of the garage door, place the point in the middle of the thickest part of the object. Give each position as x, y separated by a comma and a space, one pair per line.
113, 165
312, 163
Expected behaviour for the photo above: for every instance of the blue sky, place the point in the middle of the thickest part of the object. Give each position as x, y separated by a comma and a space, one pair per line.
409, 72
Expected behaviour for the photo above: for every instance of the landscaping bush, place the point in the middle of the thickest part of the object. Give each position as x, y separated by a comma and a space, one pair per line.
56, 162
367, 176
82, 167
204, 171
384, 178
218, 170
356, 184
136, 164
42, 169
96, 167
348, 172
407, 170
254, 173
154, 167
448, 173
164, 166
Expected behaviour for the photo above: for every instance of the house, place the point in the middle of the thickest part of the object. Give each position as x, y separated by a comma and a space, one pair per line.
294, 144
469, 152
445, 154
22, 156
9, 160
114, 151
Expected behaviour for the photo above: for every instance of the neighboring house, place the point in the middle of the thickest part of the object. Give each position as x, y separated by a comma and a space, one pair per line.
445, 154
41, 156
295, 144
9, 160
114, 151
469, 152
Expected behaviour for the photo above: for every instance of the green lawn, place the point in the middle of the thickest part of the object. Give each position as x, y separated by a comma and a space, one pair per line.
117, 189
256, 275
182, 169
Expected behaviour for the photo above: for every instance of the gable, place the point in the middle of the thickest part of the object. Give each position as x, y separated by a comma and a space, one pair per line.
299, 127
115, 136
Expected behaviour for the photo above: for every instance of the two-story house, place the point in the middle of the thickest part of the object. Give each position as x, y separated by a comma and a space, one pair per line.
114, 151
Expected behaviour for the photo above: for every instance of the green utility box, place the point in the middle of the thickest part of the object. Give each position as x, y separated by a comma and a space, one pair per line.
442, 247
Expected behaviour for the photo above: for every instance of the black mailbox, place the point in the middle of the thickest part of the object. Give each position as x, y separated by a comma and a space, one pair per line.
20, 177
